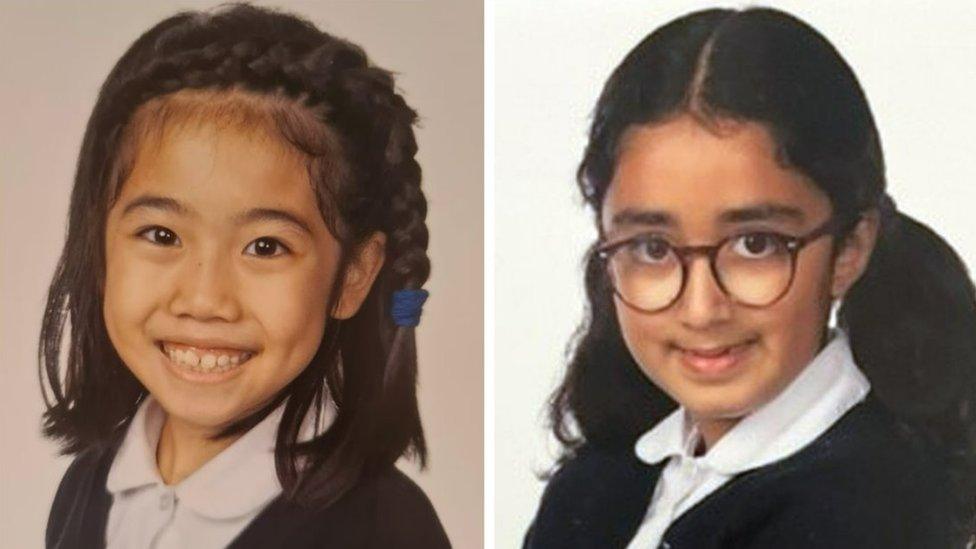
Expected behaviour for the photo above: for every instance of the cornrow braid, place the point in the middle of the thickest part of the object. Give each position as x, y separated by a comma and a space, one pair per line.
365, 105
360, 151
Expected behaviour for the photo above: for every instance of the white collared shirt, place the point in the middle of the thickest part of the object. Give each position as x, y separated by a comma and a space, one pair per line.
829, 386
207, 509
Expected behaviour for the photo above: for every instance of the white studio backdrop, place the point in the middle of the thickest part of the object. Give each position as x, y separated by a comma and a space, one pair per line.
915, 61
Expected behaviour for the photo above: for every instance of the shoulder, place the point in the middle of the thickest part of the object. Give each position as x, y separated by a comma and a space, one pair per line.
82, 490
873, 451
383, 510
82, 467
593, 473
868, 481
595, 498
409, 518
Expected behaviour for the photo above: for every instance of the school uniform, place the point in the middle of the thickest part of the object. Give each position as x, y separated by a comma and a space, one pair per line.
823, 464
112, 496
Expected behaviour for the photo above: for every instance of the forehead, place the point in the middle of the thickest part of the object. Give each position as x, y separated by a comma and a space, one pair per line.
696, 173
215, 168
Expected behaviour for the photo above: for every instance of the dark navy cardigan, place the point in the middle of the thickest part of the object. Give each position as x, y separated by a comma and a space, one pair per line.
385, 510
862, 484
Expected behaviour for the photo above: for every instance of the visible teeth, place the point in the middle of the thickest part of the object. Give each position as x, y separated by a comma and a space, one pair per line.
191, 358
205, 362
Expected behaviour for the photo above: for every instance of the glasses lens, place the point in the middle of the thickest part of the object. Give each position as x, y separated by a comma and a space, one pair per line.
646, 273
755, 269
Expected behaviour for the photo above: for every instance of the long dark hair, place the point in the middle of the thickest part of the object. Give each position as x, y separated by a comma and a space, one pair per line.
321, 96
918, 349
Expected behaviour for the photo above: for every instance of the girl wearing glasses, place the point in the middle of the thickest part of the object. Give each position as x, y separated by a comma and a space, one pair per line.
737, 180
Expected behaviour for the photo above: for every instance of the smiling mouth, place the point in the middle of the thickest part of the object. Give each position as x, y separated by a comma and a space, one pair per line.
714, 360
203, 361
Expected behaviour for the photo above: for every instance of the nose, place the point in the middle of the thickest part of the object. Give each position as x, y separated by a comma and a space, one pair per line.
702, 302
204, 289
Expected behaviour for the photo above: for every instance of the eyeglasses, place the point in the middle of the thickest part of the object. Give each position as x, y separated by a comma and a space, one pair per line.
754, 269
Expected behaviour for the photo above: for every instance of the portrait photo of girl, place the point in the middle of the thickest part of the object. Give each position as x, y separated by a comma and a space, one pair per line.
228, 349
639, 274
773, 352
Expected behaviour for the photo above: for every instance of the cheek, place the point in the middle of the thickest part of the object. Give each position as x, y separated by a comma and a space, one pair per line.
292, 311
643, 335
128, 299
790, 332
794, 325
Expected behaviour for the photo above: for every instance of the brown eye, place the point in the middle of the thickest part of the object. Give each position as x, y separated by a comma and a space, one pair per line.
758, 245
160, 236
266, 247
650, 250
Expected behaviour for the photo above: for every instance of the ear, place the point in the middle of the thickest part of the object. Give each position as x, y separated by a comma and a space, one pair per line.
361, 271
855, 253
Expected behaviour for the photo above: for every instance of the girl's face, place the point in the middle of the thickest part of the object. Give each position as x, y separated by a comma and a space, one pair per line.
719, 359
219, 272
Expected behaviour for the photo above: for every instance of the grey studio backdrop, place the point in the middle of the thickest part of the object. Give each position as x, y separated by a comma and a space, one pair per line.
56, 55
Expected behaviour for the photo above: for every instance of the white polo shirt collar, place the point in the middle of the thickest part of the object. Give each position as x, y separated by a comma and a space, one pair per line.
235, 482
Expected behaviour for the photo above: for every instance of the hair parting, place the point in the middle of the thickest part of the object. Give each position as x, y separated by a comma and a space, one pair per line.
765, 66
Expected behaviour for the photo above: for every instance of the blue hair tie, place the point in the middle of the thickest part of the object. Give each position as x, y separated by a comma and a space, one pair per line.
407, 305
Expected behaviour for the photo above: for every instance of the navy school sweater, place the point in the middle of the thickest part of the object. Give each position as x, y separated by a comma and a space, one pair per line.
386, 510
862, 484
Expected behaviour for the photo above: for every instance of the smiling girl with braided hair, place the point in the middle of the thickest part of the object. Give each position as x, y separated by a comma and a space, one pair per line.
242, 274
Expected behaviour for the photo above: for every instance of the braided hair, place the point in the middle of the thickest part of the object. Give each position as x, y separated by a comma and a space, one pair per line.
322, 96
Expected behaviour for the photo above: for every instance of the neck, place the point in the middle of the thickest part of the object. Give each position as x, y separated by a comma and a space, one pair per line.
712, 430
183, 449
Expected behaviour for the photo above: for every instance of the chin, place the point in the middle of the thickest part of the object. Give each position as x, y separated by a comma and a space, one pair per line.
718, 412
718, 403
199, 412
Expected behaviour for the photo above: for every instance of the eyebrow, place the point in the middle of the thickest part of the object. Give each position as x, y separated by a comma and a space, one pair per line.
767, 211
253, 215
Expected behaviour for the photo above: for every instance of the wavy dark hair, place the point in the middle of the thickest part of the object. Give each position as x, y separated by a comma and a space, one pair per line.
765, 66
322, 97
